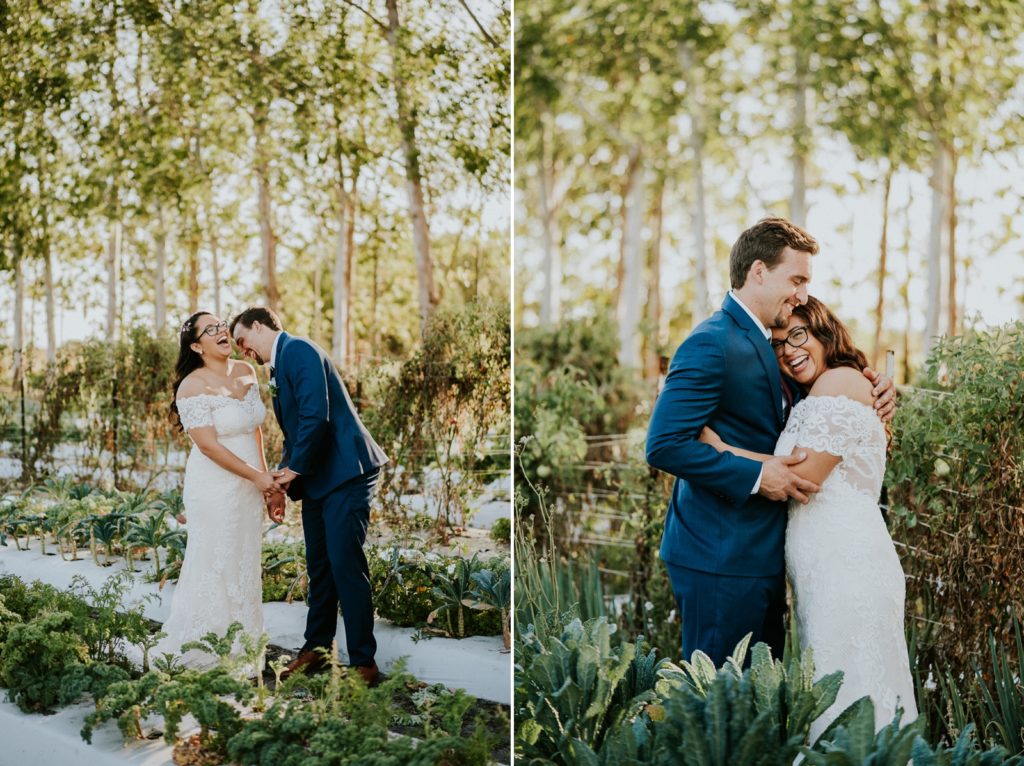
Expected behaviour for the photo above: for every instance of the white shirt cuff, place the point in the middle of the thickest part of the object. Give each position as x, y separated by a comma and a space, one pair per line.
757, 484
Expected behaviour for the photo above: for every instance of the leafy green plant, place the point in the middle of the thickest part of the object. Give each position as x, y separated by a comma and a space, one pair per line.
404, 590
455, 588
565, 687
150, 531
284, 572
36, 656
501, 530
494, 591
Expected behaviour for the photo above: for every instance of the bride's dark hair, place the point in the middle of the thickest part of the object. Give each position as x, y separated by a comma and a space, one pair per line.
832, 334
188, 360
840, 350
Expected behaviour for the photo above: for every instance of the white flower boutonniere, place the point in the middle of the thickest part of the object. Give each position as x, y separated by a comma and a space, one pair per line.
273, 388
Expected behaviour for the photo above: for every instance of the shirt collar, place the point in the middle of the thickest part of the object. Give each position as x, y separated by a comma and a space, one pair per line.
273, 351
764, 330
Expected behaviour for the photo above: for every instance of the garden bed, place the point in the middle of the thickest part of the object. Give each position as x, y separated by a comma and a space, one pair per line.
478, 664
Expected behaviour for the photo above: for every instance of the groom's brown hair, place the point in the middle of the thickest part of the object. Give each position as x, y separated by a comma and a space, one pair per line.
260, 314
765, 241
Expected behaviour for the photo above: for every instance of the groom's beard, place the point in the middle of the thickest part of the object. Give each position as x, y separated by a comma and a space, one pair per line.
254, 356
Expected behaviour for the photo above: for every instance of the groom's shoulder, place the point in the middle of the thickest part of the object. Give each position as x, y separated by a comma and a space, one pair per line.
296, 345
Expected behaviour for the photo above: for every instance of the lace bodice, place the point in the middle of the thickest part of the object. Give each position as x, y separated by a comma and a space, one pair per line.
842, 427
230, 416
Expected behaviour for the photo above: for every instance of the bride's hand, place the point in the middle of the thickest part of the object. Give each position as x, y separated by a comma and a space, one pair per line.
265, 481
708, 436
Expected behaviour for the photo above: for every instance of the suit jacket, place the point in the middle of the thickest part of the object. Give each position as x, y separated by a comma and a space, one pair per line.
725, 376
324, 439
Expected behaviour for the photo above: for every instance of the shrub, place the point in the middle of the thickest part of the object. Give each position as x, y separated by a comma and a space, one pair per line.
448, 403
408, 587
501, 531
956, 489
36, 656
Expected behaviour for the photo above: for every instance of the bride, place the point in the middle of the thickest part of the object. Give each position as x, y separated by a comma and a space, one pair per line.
216, 400
846, 575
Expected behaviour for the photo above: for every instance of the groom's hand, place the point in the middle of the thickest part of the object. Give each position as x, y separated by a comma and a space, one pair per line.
284, 477
778, 482
884, 392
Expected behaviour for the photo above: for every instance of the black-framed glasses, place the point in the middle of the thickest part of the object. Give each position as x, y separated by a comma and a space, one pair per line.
213, 329
796, 338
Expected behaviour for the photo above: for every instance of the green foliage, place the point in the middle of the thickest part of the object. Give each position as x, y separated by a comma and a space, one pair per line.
408, 587
336, 719
36, 656
448, 406
565, 688
106, 622
955, 495
501, 531
284, 572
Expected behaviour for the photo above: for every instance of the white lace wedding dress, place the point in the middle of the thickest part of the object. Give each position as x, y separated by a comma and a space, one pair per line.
845, 572
220, 580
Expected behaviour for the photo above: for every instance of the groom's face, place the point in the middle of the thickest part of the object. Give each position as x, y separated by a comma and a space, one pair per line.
248, 341
785, 286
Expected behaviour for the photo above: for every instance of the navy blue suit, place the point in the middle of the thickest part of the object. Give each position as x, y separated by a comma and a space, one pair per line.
723, 545
339, 464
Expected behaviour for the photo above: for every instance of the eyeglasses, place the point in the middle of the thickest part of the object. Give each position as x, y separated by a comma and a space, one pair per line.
213, 329
796, 338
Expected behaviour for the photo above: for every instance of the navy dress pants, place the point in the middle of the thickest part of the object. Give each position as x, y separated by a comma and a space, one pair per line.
335, 530
719, 610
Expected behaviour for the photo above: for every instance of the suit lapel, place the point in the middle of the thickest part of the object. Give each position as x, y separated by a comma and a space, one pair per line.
279, 379
764, 353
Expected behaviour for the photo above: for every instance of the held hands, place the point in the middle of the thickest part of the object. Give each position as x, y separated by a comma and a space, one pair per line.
284, 477
778, 482
276, 502
884, 392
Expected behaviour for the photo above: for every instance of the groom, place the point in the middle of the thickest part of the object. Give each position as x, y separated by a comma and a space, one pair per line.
724, 534
330, 463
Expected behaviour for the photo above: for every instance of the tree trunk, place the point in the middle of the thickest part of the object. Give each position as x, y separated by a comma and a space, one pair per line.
19, 312
938, 185
551, 299
344, 249
413, 175
160, 277
905, 290
797, 201
883, 253
51, 313
113, 277
954, 323
214, 263
653, 366
632, 265
699, 213
192, 239
268, 241
701, 308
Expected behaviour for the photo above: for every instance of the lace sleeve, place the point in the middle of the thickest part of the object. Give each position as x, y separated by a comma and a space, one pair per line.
194, 412
831, 424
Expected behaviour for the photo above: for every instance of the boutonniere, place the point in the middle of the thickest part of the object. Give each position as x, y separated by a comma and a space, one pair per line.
272, 386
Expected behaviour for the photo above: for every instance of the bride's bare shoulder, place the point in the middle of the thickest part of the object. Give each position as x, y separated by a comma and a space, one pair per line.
843, 381
192, 385
241, 369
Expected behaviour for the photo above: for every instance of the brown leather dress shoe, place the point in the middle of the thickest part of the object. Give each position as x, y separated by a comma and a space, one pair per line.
308, 662
369, 673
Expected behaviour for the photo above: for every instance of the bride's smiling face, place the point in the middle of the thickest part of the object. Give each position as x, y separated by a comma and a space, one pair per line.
799, 353
212, 339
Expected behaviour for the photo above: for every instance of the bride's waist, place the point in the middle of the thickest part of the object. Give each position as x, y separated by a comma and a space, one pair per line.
238, 443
